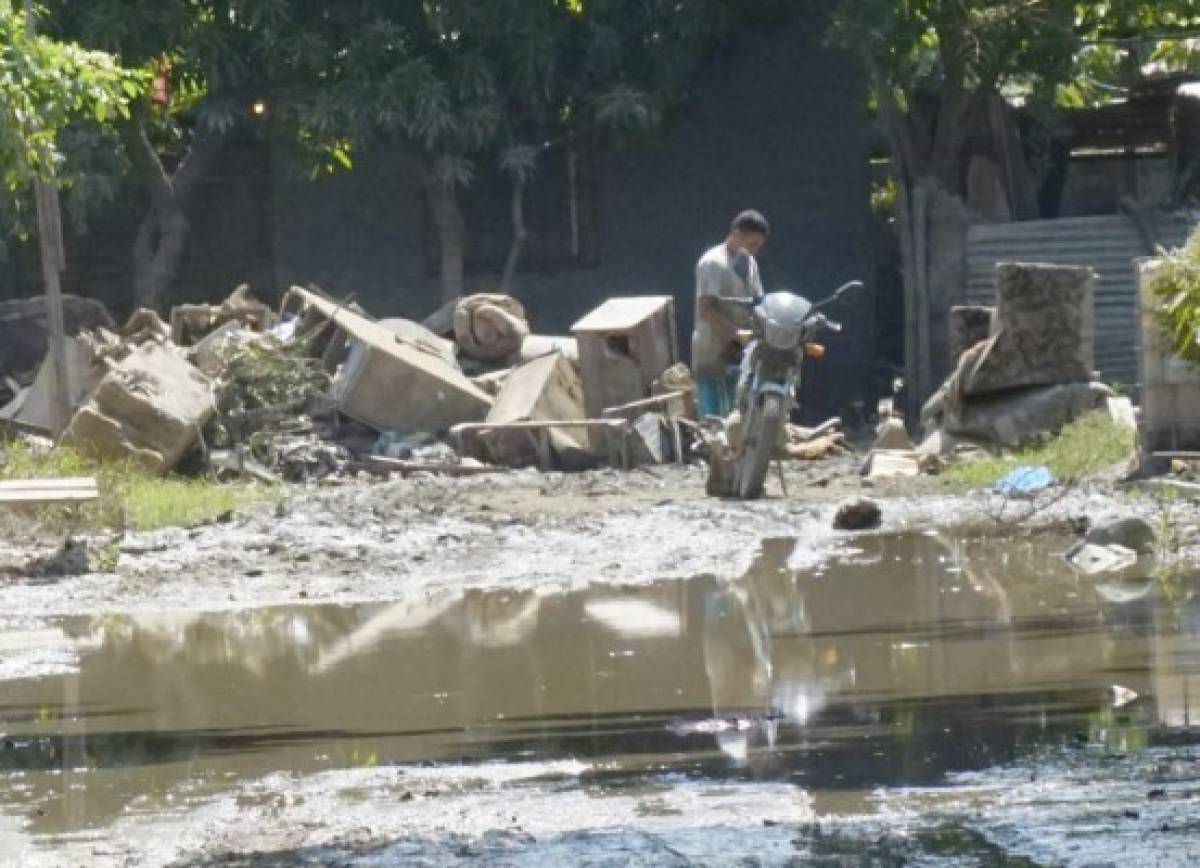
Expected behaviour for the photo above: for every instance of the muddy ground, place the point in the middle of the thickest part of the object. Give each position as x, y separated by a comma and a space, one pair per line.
308, 685
365, 541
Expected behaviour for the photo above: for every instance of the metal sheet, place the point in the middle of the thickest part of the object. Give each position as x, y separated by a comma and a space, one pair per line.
1108, 244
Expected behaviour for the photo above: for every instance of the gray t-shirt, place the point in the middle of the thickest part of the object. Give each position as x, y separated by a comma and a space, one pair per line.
715, 277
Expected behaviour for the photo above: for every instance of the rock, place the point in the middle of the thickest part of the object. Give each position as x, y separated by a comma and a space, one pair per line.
150, 409
23, 329
71, 559
1044, 333
891, 434
860, 514
1130, 532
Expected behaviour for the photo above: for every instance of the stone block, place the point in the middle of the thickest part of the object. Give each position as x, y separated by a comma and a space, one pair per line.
150, 409
544, 390
969, 324
1018, 418
1044, 333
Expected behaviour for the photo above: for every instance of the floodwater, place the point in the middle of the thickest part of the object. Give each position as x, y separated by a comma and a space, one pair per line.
906, 663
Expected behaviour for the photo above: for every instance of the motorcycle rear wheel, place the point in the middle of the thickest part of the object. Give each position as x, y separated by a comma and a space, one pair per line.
761, 434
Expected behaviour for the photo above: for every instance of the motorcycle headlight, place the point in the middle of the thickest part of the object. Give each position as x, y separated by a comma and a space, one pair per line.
781, 337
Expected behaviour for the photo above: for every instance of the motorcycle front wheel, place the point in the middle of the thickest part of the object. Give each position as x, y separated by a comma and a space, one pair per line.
761, 434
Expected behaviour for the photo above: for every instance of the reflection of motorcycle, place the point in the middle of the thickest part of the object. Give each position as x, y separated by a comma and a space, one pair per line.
783, 327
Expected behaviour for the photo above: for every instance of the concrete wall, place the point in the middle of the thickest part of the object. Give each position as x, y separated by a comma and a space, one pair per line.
778, 123
230, 242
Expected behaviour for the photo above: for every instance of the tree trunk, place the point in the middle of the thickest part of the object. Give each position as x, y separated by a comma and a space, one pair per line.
452, 236
162, 236
520, 234
157, 254
932, 224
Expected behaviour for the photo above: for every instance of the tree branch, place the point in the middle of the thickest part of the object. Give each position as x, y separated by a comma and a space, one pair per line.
520, 234
898, 126
206, 144
147, 162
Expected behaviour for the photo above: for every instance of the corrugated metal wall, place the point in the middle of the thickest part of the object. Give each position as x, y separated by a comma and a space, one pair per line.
1108, 244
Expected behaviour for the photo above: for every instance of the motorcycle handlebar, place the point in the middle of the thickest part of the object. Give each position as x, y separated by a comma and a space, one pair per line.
821, 321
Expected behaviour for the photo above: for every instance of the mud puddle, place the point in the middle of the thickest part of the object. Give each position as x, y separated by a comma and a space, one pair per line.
910, 683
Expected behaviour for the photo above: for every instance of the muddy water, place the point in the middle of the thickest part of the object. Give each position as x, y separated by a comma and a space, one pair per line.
905, 661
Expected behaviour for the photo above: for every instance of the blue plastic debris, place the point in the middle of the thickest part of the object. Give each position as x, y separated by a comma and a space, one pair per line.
1025, 480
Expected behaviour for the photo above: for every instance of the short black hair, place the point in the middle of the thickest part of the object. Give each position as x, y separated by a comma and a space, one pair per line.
751, 221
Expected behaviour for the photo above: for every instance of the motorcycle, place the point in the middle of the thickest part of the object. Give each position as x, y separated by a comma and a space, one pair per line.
782, 330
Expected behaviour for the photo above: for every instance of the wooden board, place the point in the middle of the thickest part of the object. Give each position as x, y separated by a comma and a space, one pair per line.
31, 492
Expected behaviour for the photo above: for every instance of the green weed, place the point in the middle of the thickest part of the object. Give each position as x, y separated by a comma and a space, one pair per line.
130, 497
1085, 447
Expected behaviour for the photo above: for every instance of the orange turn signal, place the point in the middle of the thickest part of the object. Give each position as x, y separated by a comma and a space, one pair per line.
816, 351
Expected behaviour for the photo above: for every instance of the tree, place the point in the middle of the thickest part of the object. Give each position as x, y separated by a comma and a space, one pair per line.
934, 65
49, 90
205, 56
447, 86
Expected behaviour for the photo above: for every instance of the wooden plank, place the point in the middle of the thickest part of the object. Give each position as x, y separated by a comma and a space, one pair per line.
38, 491
379, 463
472, 427
645, 404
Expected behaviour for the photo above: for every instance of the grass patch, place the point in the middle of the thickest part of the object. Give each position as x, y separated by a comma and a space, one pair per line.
1085, 447
130, 498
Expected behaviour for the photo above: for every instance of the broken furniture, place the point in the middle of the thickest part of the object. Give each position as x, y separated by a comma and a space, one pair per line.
673, 411
624, 346
543, 390
612, 432
386, 380
192, 322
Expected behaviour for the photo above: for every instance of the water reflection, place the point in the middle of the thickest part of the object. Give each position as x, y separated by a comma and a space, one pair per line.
912, 657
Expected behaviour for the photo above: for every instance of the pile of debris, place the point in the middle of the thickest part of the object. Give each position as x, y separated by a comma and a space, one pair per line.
320, 389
